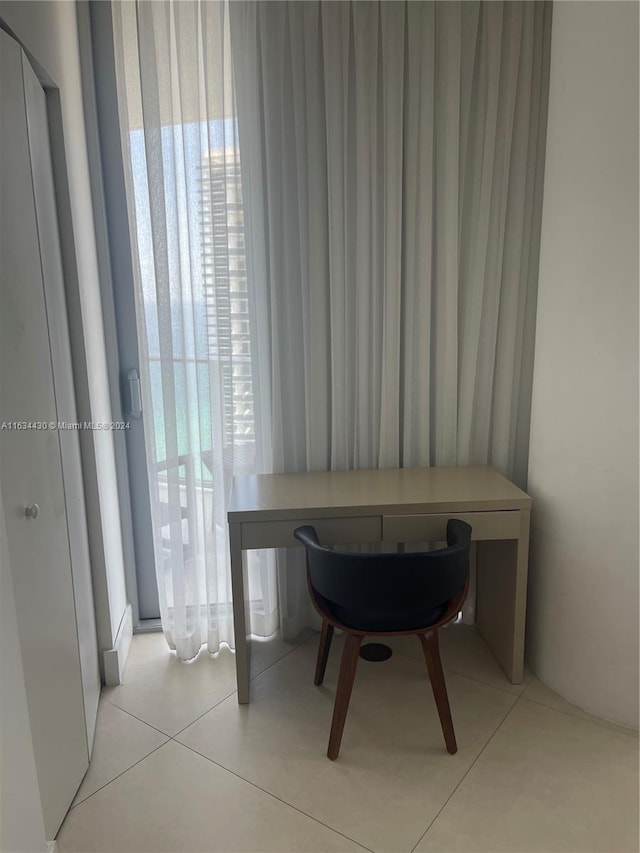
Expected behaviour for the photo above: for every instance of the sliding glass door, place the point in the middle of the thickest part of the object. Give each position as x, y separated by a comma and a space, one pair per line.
173, 174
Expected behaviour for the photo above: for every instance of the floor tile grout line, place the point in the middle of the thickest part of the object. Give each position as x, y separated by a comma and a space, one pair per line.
602, 724
204, 713
484, 683
517, 696
521, 695
212, 707
274, 796
139, 719
222, 767
106, 784
309, 640
469, 677
299, 645
469, 769
285, 655
464, 675
279, 660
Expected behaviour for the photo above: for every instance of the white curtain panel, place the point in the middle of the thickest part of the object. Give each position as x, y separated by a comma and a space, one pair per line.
361, 238
393, 169
392, 164
197, 353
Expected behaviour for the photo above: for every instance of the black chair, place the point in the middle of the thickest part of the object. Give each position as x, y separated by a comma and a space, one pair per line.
383, 595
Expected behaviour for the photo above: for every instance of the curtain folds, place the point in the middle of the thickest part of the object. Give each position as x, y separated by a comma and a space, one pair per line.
393, 162
180, 148
336, 208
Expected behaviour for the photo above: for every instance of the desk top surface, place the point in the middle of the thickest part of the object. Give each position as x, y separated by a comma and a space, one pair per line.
388, 491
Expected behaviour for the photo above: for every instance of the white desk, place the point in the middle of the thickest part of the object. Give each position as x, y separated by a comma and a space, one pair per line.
393, 505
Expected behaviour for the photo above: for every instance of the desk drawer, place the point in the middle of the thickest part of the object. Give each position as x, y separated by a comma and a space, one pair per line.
331, 531
433, 528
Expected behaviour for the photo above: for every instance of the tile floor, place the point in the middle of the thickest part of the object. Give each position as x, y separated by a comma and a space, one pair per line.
179, 766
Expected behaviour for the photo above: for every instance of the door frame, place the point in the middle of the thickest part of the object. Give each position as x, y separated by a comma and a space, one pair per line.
37, 100
108, 188
80, 484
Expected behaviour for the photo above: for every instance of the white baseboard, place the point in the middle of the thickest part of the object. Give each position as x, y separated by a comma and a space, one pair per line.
52, 846
114, 659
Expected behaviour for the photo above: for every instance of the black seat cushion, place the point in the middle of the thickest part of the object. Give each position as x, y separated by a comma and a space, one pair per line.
387, 620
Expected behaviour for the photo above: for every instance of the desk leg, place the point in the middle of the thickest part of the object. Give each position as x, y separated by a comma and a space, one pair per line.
240, 621
501, 597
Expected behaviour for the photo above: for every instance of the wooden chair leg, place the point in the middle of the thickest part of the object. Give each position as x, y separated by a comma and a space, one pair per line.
343, 693
326, 635
431, 649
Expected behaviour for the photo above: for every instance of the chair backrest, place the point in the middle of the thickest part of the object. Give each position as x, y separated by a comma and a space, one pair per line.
376, 589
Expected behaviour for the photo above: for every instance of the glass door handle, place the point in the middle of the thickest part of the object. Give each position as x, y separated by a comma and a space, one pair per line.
135, 395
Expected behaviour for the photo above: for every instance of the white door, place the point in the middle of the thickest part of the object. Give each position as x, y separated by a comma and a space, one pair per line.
31, 459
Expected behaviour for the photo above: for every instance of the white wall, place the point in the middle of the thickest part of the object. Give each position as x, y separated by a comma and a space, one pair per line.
48, 31
21, 822
583, 466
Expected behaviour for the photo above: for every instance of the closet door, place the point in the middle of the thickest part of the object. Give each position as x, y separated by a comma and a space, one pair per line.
59, 341
31, 475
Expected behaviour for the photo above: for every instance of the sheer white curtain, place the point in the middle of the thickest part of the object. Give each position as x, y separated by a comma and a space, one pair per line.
195, 333
392, 163
388, 211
